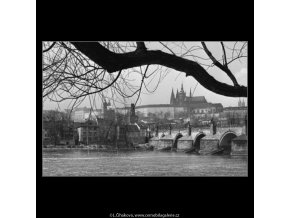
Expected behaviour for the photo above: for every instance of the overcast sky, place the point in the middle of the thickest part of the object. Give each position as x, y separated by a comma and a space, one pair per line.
174, 79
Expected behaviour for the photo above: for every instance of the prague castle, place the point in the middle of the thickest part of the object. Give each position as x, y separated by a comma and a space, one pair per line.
182, 100
179, 105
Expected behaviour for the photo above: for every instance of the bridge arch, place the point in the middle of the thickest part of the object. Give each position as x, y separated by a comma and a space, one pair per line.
178, 136
197, 139
226, 139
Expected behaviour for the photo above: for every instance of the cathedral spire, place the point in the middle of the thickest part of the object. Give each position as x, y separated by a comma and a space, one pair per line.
182, 87
172, 98
190, 93
172, 93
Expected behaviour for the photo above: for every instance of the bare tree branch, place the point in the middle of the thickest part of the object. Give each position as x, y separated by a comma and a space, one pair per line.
114, 62
50, 47
225, 55
222, 67
141, 46
167, 48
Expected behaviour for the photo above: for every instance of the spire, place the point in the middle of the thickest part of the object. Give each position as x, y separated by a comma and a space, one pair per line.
172, 93
182, 87
190, 93
172, 98
177, 97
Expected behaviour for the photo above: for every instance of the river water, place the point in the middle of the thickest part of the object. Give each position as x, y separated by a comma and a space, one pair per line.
139, 163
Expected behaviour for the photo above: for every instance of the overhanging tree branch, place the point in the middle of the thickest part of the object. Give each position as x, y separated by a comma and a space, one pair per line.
114, 62
141, 46
219, 65
50, 47
225, 55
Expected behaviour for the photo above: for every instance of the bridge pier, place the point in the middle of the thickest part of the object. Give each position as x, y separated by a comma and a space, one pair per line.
239, 145
190, 142
154, 141
209, 144
218, 143
165, 142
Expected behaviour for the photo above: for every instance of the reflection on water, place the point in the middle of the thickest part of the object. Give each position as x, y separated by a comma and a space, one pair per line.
134, 163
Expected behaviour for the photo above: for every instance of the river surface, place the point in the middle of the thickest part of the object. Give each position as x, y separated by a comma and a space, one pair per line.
139, 163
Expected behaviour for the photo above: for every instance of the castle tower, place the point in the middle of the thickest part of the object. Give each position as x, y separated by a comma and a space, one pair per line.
133, 117
182, 95
172, 98
177, 97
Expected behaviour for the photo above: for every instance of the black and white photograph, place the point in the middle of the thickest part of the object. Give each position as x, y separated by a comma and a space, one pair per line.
145, 109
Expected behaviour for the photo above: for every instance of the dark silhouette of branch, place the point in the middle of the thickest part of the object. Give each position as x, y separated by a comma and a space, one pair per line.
50, 47
167, 48
141, 46
222, 67
142, 81
225, 55
112, 62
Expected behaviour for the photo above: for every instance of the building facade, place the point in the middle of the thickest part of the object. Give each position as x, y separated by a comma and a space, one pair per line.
84, 113
234, 115
89, 133
57, 128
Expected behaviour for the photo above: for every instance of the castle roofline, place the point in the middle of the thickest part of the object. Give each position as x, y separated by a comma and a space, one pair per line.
155, 105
